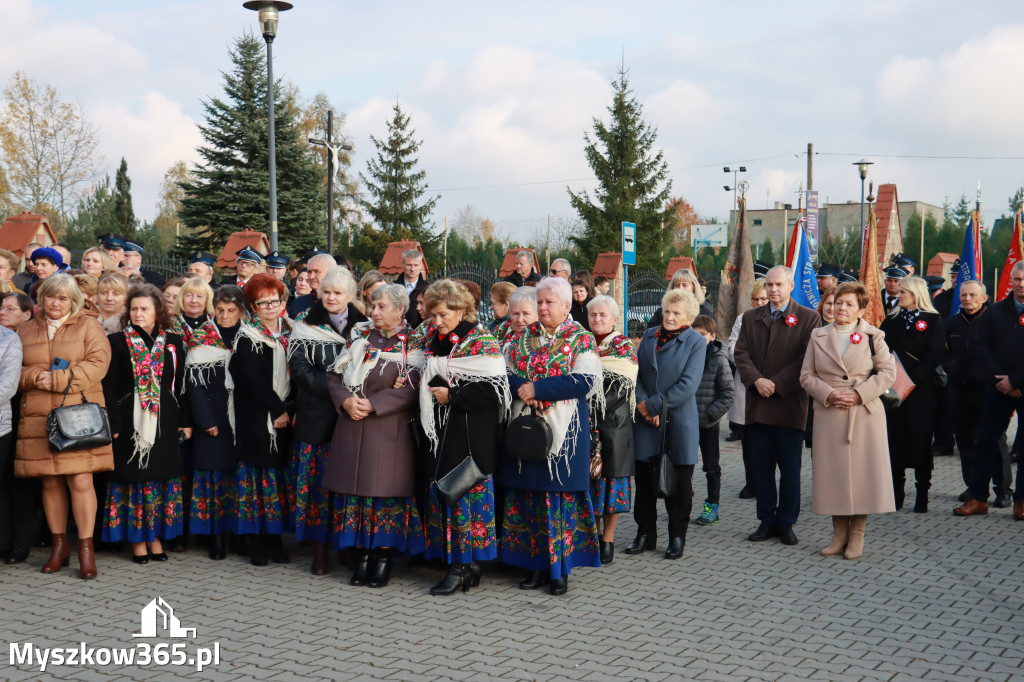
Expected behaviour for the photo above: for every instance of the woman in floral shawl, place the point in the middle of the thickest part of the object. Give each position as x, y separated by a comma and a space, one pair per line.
371, 465
317, 339
209, 387
548, 520
611, 490
464, 395
144, 392
259, 369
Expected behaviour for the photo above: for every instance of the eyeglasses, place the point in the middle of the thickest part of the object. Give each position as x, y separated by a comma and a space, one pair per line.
555, 272
269, 305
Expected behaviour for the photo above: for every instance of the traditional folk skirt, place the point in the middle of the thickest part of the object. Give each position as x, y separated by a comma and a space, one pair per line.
214, 503
262, 500
309, 501
143, 511
611, 495
369, 522
549, 531
465, 533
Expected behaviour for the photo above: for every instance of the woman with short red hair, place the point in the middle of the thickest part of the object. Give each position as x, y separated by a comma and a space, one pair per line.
259, 369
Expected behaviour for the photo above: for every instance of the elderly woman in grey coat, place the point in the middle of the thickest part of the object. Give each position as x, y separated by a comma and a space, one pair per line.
671, 358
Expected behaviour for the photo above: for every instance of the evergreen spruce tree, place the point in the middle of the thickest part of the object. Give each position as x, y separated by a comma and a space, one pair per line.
123, 212
96, 214
230, 190
632, 185
397, 204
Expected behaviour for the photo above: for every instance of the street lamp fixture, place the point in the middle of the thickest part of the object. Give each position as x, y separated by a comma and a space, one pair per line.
735, 185
269, 12
862, 168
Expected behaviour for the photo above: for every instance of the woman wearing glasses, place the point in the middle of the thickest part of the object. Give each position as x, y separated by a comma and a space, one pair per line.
260, 371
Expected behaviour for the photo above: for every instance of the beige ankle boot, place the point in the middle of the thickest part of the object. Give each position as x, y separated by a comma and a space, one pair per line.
840, 534
855, 546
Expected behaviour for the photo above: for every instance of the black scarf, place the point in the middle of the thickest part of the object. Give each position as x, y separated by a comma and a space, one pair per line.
665, 335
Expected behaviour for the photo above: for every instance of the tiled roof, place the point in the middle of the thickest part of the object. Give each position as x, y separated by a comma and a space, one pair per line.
938, 261
678, 263
391, 263
18, 231
886, 206
238, 240
607, 264
508, 264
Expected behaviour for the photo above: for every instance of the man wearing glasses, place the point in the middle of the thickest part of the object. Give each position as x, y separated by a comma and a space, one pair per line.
561, 268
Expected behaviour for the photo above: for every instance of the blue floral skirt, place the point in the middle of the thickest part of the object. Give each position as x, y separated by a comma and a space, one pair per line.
213, 502
553, 532
309, 501
466, 533
143, 511
369, 522
611, 495
262, 500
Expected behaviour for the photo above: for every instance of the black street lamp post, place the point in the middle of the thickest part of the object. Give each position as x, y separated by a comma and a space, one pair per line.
862, 166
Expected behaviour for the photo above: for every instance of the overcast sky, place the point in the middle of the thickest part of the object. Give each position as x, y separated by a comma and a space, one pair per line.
501, 93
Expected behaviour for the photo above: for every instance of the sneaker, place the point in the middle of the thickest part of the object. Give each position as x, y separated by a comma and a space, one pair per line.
709, 515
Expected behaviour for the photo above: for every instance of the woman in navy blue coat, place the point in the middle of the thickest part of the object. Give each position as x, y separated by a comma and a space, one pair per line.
548, 520
671, 358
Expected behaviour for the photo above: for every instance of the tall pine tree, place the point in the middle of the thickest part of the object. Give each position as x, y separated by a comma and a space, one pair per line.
397, 204
632, 185
230, 190
123, 211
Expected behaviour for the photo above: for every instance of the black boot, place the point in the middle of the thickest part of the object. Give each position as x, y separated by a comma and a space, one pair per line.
380, 572
218, 546
642, 542
362, 569
924, 482
559, 586
277, 553
675, 548
240, 544
899, 483
607, 552
535, 579
459, 577
258, 549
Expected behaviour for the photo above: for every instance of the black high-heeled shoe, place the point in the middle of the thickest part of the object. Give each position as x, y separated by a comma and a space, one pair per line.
607, 552
16, 556
162, 556
642, 542
535, 579
380, 572
474, 574
460, 576
559, 586
140, 558
362, 567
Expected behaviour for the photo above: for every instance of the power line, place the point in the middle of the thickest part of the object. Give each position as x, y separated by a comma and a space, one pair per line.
925, 156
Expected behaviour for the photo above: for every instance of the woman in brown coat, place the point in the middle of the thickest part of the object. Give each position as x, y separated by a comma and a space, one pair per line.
846, 368
63, 335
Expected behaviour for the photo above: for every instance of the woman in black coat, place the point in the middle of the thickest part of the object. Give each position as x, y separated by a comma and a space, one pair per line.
463, 395
147, 371
915, 334
209, 387
319, 335
259, 369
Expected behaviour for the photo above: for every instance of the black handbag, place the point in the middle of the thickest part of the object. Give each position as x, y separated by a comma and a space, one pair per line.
466, 475
662, 470
528, 438
77, 427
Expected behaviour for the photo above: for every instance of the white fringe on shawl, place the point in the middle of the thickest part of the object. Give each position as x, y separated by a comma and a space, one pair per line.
281, 382
622, 373
488, 368
354, 367
200, 363
312, 340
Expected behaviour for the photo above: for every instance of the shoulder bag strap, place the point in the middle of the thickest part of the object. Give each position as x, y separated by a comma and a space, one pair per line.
71, 378
664, 423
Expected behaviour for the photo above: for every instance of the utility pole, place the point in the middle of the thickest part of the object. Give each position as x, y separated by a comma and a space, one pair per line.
548, 255
810, 166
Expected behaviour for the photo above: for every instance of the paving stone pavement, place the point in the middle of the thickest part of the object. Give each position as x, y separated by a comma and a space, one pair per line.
935, 597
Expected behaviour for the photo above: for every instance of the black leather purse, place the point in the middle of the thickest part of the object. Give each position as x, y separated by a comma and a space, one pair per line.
77, 427
528, 438
466, 475
662, 471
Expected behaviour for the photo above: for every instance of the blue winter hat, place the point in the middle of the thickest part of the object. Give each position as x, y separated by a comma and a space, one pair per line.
51, 254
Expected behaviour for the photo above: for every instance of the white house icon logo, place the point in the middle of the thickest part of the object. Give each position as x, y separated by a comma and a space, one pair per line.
158, 613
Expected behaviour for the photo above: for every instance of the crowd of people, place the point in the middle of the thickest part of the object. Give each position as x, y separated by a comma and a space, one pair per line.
385, 419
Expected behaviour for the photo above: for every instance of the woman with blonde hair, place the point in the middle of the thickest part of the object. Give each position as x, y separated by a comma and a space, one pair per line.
95, 261
687, 280
193, 307
65, 357
369, 283
111, 292
915, 335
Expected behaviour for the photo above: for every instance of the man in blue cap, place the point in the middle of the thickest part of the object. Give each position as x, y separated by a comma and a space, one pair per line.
133, 263
247, 262
828, 276
891, 296
908, 264
113, 246
201, 263
277, 264
845, 276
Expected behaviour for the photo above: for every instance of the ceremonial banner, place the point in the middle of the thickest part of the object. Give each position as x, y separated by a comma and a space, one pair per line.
970, 259
869, 273
738, 275
799, 259
1015, 255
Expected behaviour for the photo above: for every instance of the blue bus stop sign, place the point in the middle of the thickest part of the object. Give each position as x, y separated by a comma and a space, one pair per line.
628, 243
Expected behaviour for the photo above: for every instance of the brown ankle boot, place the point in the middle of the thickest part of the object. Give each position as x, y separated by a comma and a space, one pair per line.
855, 546
86, 559
840, 536
320, 565
60, 553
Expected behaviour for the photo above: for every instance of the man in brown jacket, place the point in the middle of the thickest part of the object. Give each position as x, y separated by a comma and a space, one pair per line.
769, 354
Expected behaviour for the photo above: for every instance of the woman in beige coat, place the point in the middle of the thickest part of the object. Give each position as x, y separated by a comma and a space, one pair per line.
64, 334
846, 368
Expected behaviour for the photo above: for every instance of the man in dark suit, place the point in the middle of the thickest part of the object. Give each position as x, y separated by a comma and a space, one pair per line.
524, 274
891, 296
316, 268
247, 262
133, 263
1000, 340
769, 356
